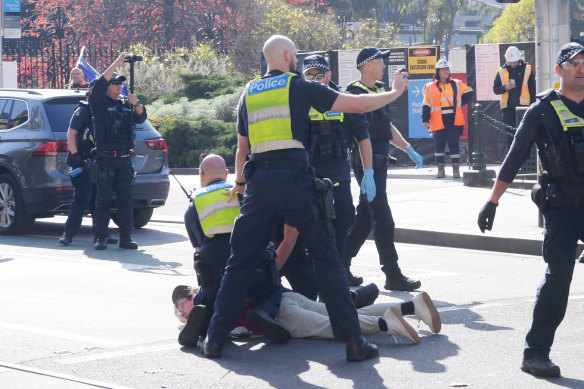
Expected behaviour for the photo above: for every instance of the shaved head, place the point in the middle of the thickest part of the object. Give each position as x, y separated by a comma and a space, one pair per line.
280, 53
212, 168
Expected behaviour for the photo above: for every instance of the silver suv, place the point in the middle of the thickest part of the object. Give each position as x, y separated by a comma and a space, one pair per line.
34, 181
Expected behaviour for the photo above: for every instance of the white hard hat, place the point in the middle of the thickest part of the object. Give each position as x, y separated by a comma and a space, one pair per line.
512, 54
441, 64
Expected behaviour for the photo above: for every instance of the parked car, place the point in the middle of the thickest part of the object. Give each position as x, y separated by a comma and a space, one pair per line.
34, 181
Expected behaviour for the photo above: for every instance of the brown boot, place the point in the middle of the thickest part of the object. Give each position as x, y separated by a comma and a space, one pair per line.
441, 173
456, 170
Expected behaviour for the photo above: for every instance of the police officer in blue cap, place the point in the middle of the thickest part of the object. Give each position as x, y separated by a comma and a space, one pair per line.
114, 121
274, 131
555, 123
376, 214
332, 136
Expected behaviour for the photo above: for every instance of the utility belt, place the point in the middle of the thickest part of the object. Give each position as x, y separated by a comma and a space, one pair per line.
570, 199
112, 154
380, 160
546, 195
251, 167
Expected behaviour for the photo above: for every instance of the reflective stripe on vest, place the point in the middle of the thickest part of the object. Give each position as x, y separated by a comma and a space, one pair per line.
362, 86
435, 99
314, 115
567, 118
216, 213
524, 98
268, 114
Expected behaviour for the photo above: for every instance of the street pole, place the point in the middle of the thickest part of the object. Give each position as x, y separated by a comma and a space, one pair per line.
1, 38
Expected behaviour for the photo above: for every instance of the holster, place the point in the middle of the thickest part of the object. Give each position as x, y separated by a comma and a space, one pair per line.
325, 203
270, 264
248, 170
381, 161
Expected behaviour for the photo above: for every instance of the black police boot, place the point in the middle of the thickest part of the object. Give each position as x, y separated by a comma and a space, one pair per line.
275, 331
540, 366
358, 349
354, 280
128, 243
365, 295
210, 349
400, 282
581, 260
65, 240
100, 244
109, 240
196, 322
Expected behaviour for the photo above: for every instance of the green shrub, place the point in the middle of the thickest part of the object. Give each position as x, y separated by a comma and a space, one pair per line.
187, 139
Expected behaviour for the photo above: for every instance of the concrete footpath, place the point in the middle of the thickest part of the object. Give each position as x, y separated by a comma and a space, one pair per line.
440, 212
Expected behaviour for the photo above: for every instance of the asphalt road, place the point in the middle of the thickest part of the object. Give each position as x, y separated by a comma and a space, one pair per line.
77, 318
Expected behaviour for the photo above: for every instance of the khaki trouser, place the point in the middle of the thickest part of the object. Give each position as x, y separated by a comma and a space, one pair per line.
305, 318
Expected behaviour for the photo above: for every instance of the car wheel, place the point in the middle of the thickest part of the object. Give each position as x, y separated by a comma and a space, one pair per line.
13, 217
141, 217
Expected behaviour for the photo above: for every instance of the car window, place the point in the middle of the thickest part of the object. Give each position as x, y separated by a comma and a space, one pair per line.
19, 114
6, 105
59, 112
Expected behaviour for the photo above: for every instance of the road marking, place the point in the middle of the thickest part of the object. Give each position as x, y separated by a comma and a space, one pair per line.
61, 376
116, 354
64, 335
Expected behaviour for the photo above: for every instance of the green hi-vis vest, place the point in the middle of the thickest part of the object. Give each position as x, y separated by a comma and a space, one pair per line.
314, 115
567, 118
268, 114
216, 213
362, 86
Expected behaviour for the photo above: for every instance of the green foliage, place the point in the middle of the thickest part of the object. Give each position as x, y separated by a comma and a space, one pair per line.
372, 33
219, 108
516, 24
200, 86
187, 139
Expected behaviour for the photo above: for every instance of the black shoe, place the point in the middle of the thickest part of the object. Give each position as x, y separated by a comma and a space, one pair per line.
365, 295
128, 243
401, 282
275, 331
354, 280
65, 240
210, 349
581, 260
100, 244
358, 349
111, 240
196, 322
540, 366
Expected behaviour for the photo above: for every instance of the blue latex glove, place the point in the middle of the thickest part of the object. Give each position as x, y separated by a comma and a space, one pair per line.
368, 185
417, 158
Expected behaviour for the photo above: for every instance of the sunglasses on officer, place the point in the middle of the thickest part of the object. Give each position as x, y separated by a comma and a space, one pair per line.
317, 76
573, 64
116, 82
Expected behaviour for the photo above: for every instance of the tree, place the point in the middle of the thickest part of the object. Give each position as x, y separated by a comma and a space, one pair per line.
516, 24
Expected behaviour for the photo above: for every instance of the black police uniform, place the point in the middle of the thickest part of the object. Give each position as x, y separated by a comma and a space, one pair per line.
114, 139
375, 215
331, 141
211, 259
562, 156
282, 186
80, 122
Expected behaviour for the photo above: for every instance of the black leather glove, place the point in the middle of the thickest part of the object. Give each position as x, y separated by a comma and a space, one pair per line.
487, 215
75, 160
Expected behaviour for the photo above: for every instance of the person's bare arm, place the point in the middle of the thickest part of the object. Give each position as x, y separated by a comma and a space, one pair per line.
109, 72
72, 140
397, 139
241, 154
366, 153
286, 246
498, 189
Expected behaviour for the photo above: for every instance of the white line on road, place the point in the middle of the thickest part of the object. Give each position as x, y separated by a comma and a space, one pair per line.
63, 334
61, 376
115, 354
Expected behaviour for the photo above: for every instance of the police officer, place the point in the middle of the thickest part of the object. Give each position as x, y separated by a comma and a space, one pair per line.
80, 143
442, 114
555, 123
209, 222
377, 214
273, 126
114, 121
515, 83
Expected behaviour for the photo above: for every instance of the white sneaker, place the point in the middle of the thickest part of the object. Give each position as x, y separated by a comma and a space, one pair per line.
425, 311
397, 326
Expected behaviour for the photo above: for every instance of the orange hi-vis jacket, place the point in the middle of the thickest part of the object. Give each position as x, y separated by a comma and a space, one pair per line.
445, 99
524, 98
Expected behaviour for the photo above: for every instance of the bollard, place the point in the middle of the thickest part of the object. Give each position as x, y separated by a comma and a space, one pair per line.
478, 157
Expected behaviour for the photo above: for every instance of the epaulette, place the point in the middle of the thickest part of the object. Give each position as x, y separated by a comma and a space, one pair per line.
547, 95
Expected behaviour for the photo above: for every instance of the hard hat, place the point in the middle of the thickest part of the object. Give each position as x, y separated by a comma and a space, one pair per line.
441, 64
512, 54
